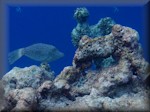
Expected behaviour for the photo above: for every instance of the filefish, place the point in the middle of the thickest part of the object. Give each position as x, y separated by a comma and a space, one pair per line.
40, 52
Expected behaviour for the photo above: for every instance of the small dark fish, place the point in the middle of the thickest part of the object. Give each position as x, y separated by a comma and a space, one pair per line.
39, 52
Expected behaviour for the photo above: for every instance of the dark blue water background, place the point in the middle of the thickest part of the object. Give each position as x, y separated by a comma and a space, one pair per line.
53, 25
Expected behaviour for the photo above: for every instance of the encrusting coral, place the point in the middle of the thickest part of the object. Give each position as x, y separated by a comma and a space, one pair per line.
116, 84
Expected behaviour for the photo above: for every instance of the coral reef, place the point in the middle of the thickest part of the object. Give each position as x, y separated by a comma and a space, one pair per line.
103, 27
119, 86
121, 44
117, 83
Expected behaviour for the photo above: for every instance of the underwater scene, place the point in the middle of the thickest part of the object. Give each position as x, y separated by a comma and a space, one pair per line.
76, 58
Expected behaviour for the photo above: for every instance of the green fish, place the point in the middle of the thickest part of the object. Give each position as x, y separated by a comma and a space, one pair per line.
40, 52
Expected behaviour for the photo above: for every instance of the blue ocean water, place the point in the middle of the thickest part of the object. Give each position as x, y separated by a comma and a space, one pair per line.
53, 25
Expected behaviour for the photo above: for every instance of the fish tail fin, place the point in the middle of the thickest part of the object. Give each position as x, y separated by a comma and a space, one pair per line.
15, 55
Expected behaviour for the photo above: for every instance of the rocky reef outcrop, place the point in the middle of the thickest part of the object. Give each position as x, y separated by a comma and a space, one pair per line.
108, 73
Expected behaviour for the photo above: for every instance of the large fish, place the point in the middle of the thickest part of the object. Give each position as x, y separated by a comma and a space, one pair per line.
39, 52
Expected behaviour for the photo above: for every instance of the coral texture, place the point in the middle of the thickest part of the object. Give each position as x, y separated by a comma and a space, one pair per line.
108, 73
103, 27
117, 86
